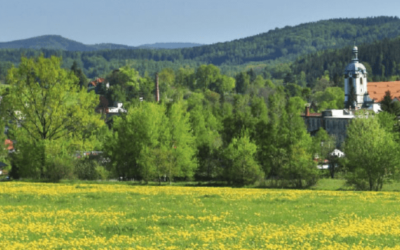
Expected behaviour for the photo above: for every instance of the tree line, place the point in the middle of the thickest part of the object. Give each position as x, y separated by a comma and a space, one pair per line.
207, 127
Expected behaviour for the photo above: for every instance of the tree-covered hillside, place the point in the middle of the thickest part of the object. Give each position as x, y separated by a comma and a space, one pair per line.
275, 46
169, 45
49, 42
56, 42
381, 58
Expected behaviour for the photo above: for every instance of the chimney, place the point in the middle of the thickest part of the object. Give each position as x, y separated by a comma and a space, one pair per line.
307, 110
157, 89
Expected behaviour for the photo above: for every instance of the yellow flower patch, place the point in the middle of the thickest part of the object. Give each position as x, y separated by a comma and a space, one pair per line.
112, 216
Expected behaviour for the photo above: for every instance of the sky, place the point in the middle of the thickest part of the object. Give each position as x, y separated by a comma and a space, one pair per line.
137, 22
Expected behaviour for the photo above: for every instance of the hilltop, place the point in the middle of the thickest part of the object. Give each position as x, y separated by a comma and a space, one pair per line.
270, 48
56, 42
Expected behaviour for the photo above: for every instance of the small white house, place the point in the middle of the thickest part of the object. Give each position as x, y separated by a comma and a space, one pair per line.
335, 153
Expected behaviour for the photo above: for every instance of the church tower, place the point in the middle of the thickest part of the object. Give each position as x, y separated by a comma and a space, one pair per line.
355, 83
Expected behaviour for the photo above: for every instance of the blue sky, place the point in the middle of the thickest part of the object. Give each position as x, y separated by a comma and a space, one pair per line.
136, 22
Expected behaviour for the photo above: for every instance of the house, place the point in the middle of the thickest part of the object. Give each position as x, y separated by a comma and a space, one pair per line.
10, 145
96, 82
325, 164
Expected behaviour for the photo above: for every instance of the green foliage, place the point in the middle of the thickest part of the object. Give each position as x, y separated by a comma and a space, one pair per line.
150, 142
330, 98
379, 57
51, 117
88, 168
182, 142
298, 104
208, 141
144, 127
241, 166
371, 153
297, 166
79, 73
390, 105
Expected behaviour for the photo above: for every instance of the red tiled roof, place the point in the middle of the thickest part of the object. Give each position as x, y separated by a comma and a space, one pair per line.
312, 114
377, 90
9, 144
97, 81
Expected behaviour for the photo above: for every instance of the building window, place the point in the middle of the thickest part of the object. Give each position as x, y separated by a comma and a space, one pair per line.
361, 80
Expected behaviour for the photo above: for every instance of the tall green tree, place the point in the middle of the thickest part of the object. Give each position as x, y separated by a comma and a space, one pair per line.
371, 153
51, 116
206, 75
241, 167
298, 167
182, 143
242, 82
79, 73
138, 137
208, 141
269, 138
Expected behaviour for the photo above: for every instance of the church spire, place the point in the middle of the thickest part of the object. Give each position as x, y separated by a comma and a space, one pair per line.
355, 53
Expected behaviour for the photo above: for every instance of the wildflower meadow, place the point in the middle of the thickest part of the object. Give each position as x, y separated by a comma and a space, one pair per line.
123, 216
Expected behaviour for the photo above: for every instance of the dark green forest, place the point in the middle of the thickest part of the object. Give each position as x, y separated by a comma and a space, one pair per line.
268, 49
381, 58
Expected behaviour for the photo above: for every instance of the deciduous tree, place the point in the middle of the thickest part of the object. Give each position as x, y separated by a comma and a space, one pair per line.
51, 115
371, 153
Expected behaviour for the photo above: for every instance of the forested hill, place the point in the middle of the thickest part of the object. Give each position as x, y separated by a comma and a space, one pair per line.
57, 42
381, 58
278, 45
290, 42
169, 45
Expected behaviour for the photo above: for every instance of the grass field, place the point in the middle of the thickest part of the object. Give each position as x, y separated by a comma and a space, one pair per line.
122, 216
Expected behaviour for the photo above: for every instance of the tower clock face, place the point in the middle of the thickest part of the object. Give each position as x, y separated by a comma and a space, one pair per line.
349, 74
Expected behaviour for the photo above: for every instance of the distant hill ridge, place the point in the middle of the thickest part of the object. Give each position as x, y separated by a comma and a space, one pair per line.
271, 48
57, 42
170, 45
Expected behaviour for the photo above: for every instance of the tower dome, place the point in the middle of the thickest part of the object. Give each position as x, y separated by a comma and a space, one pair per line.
355, 67
355, 83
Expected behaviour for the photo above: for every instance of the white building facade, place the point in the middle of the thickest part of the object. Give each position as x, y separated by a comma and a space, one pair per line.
356, 84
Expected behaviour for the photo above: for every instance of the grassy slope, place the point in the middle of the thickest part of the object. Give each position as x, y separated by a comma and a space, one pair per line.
113, 215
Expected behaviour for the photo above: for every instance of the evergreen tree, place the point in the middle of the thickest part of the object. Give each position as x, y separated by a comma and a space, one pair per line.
389, 105
79, 73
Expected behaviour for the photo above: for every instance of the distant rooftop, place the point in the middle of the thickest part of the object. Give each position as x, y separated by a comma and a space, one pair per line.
377, 90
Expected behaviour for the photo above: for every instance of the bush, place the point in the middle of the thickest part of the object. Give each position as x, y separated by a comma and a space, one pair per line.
89, 169
60, 168
102, 173
85, 169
